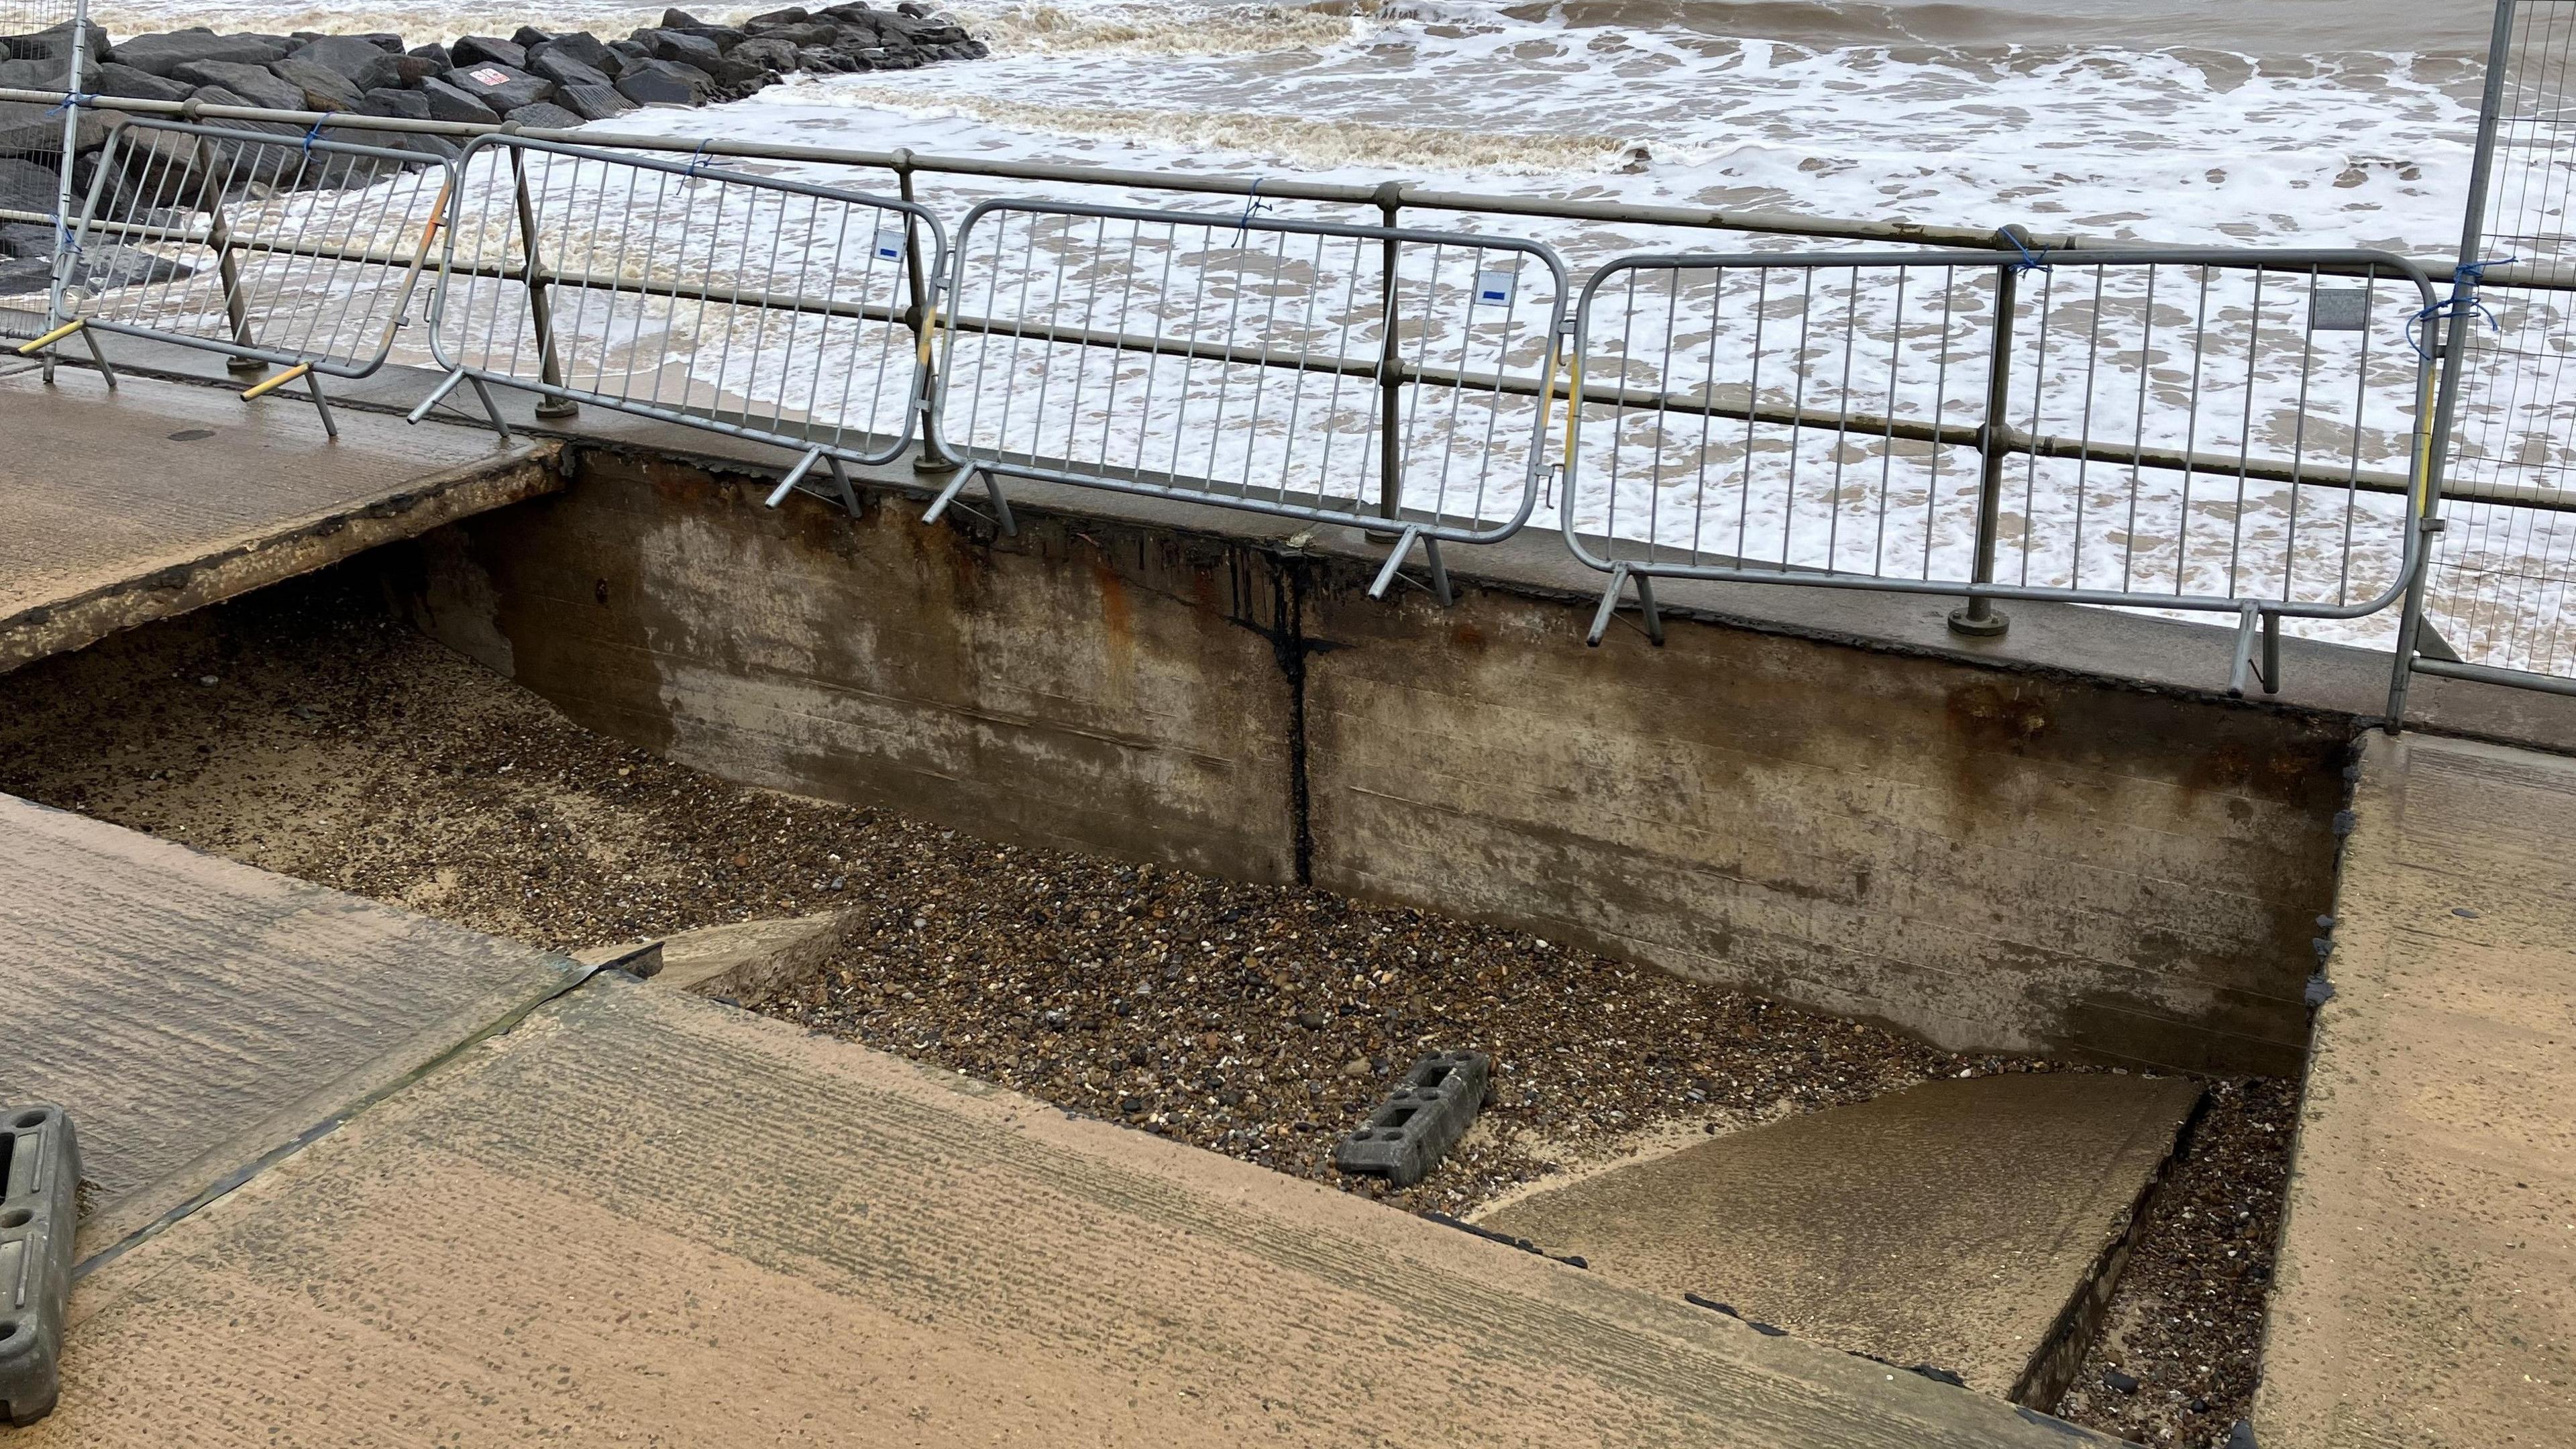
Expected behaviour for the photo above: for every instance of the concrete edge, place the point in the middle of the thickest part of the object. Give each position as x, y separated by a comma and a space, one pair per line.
303, 546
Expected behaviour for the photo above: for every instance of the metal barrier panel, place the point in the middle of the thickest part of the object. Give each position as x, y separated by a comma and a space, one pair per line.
759, 306
2225, 431
1368, 376
2502, 567
36, 154
271, 245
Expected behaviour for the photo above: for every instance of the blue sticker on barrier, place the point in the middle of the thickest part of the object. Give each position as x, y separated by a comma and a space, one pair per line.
890, 244
1495, 286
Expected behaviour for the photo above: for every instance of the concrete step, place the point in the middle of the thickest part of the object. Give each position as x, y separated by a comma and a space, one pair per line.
2426, 1293
1974, 1226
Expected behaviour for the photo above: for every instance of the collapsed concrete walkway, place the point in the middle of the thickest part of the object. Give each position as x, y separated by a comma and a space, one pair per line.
1974, 1226
2427, 1286
637, 1217
117, 508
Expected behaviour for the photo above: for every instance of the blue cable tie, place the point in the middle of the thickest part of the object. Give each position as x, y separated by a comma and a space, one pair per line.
2473, 274
1252, 204
2028, 262
698, 158
71, 99
313, 133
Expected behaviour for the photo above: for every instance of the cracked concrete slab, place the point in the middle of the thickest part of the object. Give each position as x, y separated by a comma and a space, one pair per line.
1954, 1224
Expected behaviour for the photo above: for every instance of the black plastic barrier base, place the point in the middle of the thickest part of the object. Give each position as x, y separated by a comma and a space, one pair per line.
1422, 1119
39, 1212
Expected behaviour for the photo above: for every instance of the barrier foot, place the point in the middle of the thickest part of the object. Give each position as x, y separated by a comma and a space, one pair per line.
2249, 666
436, 396
1649, 614
992, 491
794, 476
492, 410
322, 405
1389, 573
849, 494
99, 357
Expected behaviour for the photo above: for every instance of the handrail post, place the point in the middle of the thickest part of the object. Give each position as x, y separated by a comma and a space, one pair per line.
916, 316
1390, 368
541, 315
61, 279
1981, 619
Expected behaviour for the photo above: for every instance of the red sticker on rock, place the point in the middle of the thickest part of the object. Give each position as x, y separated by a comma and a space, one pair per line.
490, 77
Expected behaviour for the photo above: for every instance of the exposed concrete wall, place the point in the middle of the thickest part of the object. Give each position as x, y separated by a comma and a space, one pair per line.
1994, 860
1095, 690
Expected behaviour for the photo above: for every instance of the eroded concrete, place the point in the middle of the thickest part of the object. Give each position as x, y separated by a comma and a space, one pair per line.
642, 1218
1993, 861
1960, 1224
2427, 1281
120, 508
194, 1014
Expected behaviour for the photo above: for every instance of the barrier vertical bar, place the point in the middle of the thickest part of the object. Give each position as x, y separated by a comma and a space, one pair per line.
541, 317
1390, 370
1981, 619
63, 181
2435, 435
917, 317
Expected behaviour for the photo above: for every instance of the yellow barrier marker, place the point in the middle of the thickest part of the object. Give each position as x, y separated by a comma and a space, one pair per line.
49, 339
263, 389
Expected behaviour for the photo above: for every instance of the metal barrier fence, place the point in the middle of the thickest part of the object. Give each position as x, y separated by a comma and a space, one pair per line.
2505, 509
2225, 431
2501, 567
38, 141
1375, 377
273, 248
761, 307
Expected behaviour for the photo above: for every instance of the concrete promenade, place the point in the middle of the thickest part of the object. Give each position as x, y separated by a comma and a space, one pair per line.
118, 508
2427, 1287
614, 1213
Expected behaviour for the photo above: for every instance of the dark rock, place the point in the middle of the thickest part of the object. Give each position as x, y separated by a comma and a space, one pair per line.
544, 116
164, 54
388, 101
664, 83
116, 79
434, 53
26, 239
630, 49
99, 266
54, 42
724, 37
353, 59
769, 55
737, 74
26, 186
44, 75
384, 40
581, 45
256, 84
593, 103
681, 46
19, 279
800, 35
792, 15
2122, 1383
484, 50
529, 37
447, 103
680, 20
565, 70
324, 89
500, 87
820, 60
400, 72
